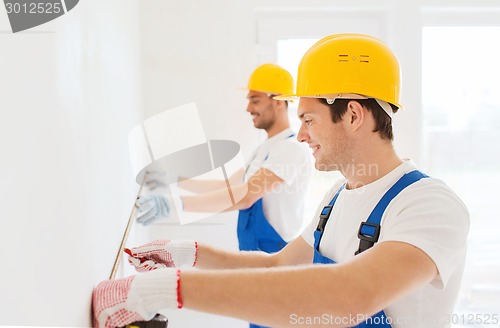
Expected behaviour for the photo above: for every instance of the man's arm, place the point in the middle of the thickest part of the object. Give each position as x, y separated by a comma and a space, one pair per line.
262, 182
364, 285
205, 186
297, 252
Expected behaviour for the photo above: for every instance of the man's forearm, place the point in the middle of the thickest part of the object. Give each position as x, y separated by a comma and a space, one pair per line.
202, 186
275, 297
212, 258
206, 186
235, 196
228, 199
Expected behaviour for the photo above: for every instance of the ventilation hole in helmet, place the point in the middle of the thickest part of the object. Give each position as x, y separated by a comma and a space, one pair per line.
364, 59
343, 58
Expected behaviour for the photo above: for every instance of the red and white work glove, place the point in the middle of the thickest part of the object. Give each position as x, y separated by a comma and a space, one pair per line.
116, 303
163, 253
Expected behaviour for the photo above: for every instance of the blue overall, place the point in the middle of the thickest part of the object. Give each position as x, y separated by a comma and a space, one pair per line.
255, 233
368, 232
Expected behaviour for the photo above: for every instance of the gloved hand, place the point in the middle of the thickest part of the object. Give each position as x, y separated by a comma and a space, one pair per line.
163, 253
117, 303
156, 179
152, 208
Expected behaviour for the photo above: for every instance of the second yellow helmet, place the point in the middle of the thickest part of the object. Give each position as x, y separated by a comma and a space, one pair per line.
271, 78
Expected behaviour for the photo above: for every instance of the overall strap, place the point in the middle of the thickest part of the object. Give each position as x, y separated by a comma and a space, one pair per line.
369, 231
292, 135
325, 215
265, 159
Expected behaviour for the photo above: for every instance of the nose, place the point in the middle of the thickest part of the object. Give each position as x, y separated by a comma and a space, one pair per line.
302, 135
249, 107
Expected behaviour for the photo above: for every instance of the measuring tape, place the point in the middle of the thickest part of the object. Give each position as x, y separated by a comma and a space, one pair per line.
159, 321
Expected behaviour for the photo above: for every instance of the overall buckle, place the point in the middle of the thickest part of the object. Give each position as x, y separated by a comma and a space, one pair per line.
323, 217
368, 235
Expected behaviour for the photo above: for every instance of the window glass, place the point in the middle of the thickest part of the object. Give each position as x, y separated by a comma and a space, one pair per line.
461, 112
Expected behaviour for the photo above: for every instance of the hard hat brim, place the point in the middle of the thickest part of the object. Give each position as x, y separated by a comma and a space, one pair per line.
296, 97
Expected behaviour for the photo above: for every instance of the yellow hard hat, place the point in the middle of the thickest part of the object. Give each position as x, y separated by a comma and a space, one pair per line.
341, 65
271, 78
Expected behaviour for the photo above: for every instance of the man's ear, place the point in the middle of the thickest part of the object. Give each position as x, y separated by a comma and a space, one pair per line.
280, 103
356, 114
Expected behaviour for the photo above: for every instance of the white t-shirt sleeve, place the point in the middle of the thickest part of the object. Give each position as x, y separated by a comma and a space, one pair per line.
287, 160
431, 217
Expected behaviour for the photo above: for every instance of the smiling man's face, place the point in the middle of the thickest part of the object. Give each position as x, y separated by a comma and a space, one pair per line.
328, 141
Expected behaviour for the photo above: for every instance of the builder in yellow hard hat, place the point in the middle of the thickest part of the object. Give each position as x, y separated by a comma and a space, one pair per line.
386, 248
275, 179
280, 162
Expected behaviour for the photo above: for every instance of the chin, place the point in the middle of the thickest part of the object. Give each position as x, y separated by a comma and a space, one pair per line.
320, 166
325, 167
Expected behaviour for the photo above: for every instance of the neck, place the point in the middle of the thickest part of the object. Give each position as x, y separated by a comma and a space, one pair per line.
371, 165
278, 126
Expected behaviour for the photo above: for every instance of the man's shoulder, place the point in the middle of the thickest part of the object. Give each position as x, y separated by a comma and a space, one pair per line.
291, 147
431, 194
430, 185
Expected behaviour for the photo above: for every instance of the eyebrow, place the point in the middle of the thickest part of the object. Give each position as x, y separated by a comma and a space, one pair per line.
301, 116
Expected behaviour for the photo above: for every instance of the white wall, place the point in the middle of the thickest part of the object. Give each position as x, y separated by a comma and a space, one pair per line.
200, 51
69, 93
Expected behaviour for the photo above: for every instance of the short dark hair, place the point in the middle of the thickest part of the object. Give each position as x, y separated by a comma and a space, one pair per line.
272, 95
383, 123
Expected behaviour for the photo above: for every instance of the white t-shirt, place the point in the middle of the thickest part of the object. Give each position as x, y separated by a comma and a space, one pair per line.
292, 162
426, 214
